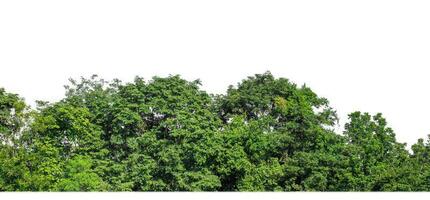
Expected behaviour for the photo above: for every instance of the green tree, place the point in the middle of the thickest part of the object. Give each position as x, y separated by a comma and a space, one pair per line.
14, 174
166, 134
376, 158
12, 117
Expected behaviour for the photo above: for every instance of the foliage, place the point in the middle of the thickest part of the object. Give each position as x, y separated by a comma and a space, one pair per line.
166, 134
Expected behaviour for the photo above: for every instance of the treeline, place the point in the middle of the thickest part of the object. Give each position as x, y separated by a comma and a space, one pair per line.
166, 134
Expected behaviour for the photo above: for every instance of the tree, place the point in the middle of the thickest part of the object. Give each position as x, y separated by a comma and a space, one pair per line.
166, 134
298, 112
13, 170
12, 117
376, 158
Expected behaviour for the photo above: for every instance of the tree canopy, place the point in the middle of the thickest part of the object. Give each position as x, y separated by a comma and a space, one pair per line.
166, 134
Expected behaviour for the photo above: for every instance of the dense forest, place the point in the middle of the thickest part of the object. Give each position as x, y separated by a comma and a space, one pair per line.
166, 134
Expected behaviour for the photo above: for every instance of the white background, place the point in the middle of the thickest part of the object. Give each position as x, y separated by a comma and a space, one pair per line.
365, 55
